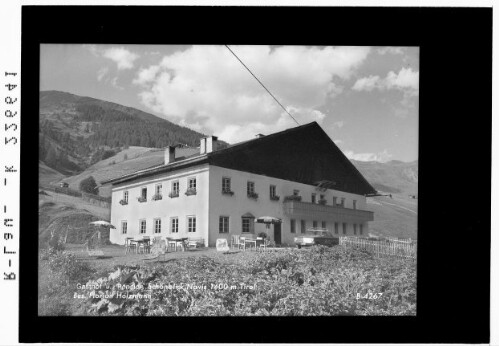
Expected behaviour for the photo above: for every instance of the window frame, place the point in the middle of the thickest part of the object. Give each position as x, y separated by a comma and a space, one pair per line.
315, 224
250, 191
354, 205
142, 221
296, 192
361, 229
191, 224
354, 229
313, 198
124, 230
177, 190
142, 195
272, 191
223, 224
174, 225
155, 221
125, 195
324, 224
336, 228
189, 183
344, 228
292, 226
250, 221
158, 191
224, 180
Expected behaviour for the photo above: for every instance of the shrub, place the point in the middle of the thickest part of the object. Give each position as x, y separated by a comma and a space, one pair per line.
316, 281
89, 185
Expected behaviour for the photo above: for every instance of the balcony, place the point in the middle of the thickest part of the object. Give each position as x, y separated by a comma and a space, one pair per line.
304, 210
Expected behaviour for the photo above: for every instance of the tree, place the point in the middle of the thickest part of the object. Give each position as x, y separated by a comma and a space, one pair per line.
89, 185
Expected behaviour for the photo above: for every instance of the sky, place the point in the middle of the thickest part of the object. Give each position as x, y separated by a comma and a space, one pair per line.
365, 98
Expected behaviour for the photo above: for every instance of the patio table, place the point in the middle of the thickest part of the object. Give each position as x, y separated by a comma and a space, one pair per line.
250, 241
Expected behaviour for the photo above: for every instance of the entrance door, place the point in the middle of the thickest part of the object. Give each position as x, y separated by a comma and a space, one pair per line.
277, 233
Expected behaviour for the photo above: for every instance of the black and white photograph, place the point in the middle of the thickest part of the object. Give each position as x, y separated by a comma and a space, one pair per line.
228, 180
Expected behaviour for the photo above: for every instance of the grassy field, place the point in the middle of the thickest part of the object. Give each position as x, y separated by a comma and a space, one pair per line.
395, 217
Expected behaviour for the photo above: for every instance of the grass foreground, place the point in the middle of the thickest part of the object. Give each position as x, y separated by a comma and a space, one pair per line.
315, 281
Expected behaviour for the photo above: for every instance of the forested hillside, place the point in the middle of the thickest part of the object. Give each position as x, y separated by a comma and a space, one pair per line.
76, 132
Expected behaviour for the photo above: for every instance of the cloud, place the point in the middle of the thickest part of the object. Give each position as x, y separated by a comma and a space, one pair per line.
383, 156
338, 141
406, 80
123, 58
337, 124
102, 73
114, 83
390, 50
206, 88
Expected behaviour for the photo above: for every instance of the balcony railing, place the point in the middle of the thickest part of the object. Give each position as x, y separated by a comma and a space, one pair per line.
252, 195
275, 198
173, 194
142, 199
123, 202
304, 210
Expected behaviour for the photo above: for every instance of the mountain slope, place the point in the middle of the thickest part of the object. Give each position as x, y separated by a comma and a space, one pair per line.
76, 131
395, 177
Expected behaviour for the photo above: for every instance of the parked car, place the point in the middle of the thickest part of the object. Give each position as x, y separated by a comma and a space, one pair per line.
315, 236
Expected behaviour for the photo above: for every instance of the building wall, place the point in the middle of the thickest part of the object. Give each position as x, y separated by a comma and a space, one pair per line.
239, 204
181, 207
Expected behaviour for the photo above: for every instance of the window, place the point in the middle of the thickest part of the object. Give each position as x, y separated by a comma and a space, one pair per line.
303, 226
355, 229
125, 196
293, 226
336, 228
335, 199
142, 226
296, 192
124, 226
354, 204
361, 231
342, 201
250, 187
192, 183
223, 224
247, 224
159, 188
143, 193
272, 191
323, 197
225, 184
314, 224
314, 198
323, 224
175, 187
191, 224
344, 228
157, 225
174, 224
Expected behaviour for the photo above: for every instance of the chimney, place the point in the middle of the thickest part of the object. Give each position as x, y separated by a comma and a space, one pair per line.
169, 154
259, 135
208, 144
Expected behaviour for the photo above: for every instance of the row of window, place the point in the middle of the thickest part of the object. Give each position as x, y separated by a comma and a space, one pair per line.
158, 190
303, 227
191, 225
226, 189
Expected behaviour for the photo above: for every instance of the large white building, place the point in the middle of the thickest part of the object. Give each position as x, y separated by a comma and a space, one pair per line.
297, 175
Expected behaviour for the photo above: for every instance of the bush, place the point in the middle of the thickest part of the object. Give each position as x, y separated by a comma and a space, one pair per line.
89, 185
317, 281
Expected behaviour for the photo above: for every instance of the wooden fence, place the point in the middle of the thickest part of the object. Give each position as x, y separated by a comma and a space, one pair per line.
382, 248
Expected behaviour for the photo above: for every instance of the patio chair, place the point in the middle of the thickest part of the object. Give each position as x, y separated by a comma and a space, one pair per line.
242, 243
145, 244
171, 243
129, 245
234, 241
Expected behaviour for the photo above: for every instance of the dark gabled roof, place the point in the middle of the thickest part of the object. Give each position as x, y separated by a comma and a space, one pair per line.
304, 154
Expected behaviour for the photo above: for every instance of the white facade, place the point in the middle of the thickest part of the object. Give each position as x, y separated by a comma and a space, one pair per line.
209, 204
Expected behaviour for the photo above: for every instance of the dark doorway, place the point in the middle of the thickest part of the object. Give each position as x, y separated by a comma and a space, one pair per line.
277, 233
